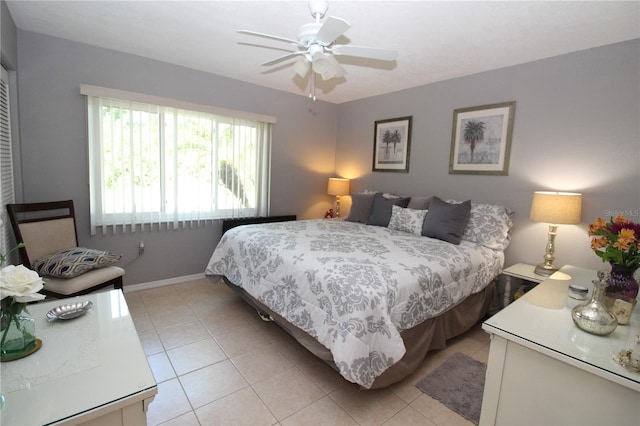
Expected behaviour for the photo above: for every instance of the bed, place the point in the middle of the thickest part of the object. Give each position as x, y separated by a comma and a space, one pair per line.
371, 299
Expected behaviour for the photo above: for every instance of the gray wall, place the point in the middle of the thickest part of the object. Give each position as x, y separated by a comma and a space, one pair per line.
54, 142
8, 50
576, 128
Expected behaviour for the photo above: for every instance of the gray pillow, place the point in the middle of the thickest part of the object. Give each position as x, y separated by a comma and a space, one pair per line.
361, 203
381, 209
419, 203
446, 221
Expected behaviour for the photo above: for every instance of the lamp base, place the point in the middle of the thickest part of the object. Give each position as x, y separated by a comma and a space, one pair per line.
545, 270
547, 267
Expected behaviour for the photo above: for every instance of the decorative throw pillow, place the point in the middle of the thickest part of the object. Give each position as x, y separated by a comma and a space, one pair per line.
489, 225
361, 203
381, 209
446, 221
419, 203
407, 220
72, 262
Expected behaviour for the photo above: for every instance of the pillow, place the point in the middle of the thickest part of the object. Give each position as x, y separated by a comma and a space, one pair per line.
72, 262
446, 221
407, 220
361, 203
381, 209
419, 203
489, 225
390, 196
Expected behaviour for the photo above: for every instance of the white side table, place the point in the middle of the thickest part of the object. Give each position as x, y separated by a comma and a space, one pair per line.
521, 271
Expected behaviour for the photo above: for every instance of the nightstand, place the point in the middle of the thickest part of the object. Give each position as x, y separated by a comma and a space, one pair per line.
523, 272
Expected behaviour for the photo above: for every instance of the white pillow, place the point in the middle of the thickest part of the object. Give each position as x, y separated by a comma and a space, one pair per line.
407, 220
489, 225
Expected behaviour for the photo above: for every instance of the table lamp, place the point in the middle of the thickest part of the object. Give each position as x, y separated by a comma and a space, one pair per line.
554, 208
338, 187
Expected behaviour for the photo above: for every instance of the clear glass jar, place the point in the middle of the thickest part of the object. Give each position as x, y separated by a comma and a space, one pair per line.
593, 316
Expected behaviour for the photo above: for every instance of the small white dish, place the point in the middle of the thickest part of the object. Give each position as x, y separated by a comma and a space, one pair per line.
577, 291
69, 311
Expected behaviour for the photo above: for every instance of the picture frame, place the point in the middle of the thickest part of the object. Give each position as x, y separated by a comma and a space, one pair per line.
481, 139
392, 145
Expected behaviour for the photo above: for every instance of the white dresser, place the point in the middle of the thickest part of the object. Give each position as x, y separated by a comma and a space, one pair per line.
543, 369
91, 370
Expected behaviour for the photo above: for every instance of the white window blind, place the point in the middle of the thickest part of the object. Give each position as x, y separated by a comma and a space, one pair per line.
7, 195
153, 163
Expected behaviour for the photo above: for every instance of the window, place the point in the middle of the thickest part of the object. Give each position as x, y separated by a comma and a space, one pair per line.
153, 163
7, 195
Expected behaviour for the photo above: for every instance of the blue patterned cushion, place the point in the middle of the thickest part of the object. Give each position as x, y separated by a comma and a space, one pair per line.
407, 220
72, 262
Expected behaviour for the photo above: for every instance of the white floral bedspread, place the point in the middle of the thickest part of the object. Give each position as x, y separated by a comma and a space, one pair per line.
353, 287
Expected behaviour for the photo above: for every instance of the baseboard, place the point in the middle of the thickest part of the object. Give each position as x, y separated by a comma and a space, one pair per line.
162, 283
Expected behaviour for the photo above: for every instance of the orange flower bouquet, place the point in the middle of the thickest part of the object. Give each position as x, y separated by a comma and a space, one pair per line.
618, 242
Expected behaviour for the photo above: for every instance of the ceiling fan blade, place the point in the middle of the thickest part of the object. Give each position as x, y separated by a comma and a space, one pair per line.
302, 67
365, 52
283, 58
331, 29
253, 33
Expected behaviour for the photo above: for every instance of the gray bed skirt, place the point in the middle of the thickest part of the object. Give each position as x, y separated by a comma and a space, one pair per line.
427, 336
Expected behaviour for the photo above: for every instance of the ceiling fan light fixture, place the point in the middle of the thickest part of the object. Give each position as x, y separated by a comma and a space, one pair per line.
324, 69
327, 76
302, 66
322, 66
316, 47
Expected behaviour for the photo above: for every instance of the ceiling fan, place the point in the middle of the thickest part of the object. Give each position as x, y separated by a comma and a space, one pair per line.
317, 49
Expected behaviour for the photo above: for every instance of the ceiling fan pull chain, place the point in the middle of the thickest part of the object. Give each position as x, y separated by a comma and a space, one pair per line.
312, 88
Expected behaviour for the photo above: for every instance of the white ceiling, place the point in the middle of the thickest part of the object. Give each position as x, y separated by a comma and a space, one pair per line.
435, 40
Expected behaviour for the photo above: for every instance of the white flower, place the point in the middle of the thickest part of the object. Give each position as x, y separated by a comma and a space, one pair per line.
21, 283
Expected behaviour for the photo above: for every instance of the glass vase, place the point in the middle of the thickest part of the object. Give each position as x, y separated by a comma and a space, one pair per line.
621, 281
593, 316
18, 337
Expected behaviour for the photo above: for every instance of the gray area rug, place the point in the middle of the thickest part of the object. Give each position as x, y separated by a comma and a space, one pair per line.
458, 383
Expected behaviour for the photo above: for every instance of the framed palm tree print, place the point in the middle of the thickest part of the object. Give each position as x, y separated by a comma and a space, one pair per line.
392, 145
481, 139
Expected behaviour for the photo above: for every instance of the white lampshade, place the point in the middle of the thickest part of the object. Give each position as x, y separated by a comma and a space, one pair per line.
338, 186
556, 207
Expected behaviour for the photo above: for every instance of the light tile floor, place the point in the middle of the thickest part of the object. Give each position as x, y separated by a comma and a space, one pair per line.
217, 363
